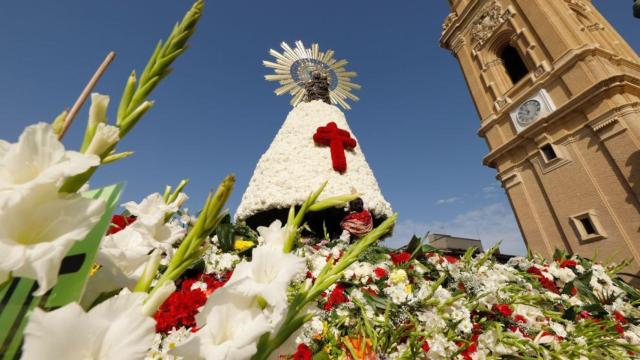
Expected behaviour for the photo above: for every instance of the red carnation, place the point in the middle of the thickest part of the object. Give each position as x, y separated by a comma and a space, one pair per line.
521, 319
179, 310
549, 285
119, 222
450, 259
568, 263
336, 297
400, 257
618, 315
181, 307
425, 346
504, 309
546, 283
380, 272
303, 353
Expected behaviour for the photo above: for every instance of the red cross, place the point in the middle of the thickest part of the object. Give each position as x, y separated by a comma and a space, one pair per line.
338, 140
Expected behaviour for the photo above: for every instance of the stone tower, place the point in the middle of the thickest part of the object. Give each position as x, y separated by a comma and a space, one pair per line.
557, 90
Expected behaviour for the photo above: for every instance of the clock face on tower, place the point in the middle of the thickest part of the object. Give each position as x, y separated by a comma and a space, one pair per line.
528, 112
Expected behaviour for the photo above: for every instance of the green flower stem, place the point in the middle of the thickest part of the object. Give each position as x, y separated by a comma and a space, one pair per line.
134, 104
333, 202
115, 157
159, 66
191, 249
328, 276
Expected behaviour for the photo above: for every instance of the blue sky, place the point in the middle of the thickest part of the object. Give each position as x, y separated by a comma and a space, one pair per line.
215, 114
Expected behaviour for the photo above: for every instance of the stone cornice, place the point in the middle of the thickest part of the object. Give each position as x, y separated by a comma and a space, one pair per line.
456, 21
560, 66
570, 106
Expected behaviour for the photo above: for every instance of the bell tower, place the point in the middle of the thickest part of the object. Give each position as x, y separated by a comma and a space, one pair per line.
557, 91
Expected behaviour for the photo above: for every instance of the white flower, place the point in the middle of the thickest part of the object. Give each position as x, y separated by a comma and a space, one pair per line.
38, 158
114, 329
558, 329
268, 274
124, 254
104, 137
37, 232
274, 235
98, 109
232, 328
565, 275
151, 211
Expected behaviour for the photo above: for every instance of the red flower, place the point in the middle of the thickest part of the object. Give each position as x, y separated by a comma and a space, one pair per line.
336, 297
471, 348
451, 259
370, 291
520, 318
620, 329
400, 257
181, 307
380, 272
549, 285
179, 310
546, 283
535, 271
303, 353
504, 309
568, 263
119, 222
621, 319
425, 346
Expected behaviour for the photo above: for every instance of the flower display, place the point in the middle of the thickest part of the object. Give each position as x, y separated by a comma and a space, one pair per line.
170, 284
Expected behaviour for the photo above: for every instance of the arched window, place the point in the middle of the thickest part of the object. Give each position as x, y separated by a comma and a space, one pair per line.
513, 64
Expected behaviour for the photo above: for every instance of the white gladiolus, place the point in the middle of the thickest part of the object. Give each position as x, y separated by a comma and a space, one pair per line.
233, 325
38, 158
274, 235
268, 275
114, 329
151, 210
37, 232
104, 137
123, 255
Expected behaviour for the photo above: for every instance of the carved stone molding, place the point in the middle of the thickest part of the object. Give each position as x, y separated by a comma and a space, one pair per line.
457, 43
577, 4
595, 27
486, 23
494, 62
501, 103
448, 21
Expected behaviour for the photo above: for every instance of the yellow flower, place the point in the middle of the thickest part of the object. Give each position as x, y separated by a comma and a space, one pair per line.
242, 245
398, 276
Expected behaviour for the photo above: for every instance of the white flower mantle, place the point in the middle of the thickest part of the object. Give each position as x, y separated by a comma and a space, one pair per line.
293, 164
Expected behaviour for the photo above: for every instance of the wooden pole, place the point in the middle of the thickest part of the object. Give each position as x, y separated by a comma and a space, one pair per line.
85, 93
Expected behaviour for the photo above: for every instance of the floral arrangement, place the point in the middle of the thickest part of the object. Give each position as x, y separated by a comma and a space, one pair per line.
171, 284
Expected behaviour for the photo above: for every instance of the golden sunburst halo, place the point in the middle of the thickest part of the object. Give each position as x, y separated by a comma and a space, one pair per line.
293, 68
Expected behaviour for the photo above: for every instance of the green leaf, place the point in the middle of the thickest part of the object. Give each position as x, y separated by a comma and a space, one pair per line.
321, 356
225, 235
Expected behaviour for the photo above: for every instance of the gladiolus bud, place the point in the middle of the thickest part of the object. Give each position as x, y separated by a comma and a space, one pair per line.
103, 139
